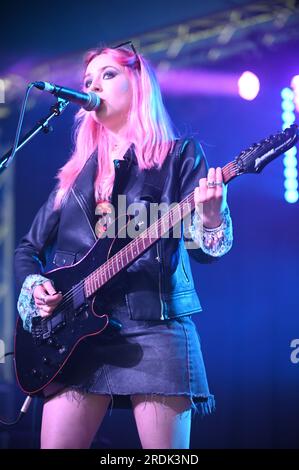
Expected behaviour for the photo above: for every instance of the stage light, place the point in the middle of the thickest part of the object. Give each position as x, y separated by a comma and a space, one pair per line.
288, 105
2, 91
291, 184
290, 172
291, 196
248, 85
290, 161
288, 117
287, 94
295, 86
295, 82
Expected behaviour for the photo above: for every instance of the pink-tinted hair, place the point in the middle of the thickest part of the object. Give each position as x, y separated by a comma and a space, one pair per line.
149, 130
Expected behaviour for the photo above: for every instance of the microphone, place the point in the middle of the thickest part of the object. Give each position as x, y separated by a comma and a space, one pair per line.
89, 101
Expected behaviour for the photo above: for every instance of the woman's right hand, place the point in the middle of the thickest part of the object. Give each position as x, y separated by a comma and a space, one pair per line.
46, 298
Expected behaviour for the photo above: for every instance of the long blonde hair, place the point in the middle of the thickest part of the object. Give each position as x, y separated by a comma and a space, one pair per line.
149, 128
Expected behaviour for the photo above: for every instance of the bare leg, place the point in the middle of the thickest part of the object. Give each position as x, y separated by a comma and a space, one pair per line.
163, 422
70, 420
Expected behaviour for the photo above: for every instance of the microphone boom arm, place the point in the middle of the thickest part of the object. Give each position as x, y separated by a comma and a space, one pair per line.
43, 125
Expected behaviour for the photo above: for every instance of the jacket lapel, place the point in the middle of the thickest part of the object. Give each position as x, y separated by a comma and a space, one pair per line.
84, 187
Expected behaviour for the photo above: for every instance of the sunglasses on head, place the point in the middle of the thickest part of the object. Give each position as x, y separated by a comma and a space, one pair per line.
129, 46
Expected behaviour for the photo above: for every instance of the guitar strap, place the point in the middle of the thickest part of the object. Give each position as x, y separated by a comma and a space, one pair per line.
154, 180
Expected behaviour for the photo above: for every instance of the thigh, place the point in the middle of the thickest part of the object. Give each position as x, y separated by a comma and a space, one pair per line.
163, 422
70, 419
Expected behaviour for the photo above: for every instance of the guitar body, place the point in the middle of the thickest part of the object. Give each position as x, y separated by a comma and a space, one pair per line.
41, 356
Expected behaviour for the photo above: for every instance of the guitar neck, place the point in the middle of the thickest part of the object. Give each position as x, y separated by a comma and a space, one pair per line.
148, 237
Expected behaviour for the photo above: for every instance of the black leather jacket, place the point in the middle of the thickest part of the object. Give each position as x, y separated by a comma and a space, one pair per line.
159, 284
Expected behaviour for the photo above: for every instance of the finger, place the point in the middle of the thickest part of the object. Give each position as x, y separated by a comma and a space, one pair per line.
39, 291
202, 183
46, 309
43, 313
197, 195
53, 300
211, 175
219, 183
39, 295
48, 286
211, 179
218, 175
200, 191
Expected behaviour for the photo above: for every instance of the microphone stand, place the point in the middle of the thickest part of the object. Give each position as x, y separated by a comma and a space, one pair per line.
43, 125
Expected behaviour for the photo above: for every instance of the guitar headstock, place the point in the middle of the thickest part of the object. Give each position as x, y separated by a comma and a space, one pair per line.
256, 157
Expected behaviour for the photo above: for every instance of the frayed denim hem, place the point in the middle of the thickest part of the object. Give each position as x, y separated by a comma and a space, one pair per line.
200, 406
203, 407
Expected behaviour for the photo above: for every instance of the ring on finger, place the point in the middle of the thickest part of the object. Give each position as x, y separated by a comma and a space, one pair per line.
211, 184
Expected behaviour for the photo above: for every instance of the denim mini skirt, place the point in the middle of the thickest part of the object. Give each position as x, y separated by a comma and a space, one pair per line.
143, 357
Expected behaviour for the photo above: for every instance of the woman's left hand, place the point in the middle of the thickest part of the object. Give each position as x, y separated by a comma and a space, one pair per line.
211, 192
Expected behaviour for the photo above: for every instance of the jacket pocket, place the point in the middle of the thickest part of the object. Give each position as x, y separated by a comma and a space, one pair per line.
64, 258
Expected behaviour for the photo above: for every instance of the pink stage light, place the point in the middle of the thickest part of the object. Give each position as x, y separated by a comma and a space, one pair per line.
249, 86
295, 82
295, 86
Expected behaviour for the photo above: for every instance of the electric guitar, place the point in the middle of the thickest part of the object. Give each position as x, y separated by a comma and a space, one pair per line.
41, 356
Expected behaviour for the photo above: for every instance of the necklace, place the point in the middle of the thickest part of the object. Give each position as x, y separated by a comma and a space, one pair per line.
119, 149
